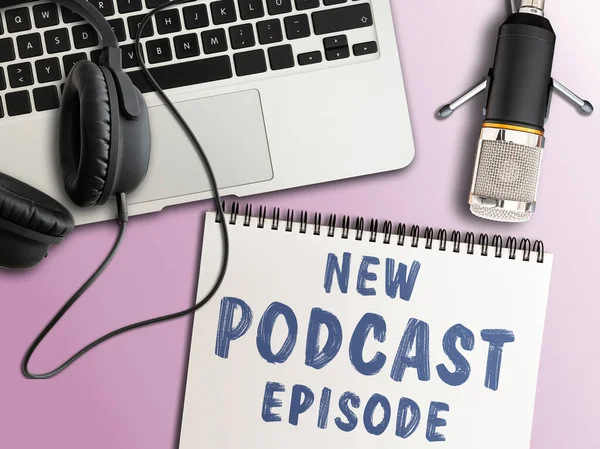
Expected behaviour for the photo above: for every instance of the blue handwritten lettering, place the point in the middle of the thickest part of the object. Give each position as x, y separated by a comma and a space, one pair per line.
226, 332
302, 399
270, 402
265, 330
462, 366
365, 275
343, 273
405, 429
352, 420
324, 408
496, 339
399, 281
372, 404
315, 358
419, 331
357, 343
433, 421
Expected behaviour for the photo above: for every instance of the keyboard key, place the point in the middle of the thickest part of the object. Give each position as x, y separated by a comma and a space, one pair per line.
251, 9
48, 70
281, 57
95, 56
134, 21
57, 40
18, 103
17, 20
186, 46
1, 32
118, 27
29, 45
185, 73
279, 6
214, 41
223, 12
71, 59
335, 41
312, 57
45, 15
128, 57
20, 75
297, 27
366, 48
337, 53
69, 16
7, 50
168, 21
159, 50
333, 2
126, 6
269, 31
342, 19
250, 62
84, 36
45, 98
106, 7
306, 4
1, 110
2, 79
241, 36
195, 16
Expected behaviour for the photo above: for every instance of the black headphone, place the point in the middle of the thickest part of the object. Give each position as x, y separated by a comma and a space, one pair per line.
104, 150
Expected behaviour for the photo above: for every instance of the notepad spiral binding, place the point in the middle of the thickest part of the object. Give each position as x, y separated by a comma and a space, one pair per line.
387, 232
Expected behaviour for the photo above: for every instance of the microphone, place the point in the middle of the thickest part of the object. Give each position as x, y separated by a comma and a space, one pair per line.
519, 88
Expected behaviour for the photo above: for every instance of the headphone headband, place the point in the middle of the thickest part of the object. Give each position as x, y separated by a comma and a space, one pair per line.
88, 12
95, 18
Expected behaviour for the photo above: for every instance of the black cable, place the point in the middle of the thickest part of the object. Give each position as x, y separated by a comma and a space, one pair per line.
64, 310
122, 219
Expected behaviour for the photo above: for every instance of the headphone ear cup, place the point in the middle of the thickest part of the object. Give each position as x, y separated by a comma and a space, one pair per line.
85, 133
30, 222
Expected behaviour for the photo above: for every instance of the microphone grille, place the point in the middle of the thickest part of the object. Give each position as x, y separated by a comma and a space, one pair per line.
507, 171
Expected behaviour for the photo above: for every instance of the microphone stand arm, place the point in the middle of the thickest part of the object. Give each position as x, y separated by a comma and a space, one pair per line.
448, 109
584, 105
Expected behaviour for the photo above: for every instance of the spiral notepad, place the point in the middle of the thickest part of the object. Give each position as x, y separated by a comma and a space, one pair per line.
345, 333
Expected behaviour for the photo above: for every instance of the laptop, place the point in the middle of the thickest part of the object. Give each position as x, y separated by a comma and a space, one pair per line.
281, 93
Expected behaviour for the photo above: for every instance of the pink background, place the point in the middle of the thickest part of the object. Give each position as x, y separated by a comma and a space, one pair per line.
128, 392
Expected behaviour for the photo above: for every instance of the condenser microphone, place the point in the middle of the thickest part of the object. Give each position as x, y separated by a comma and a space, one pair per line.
511, 143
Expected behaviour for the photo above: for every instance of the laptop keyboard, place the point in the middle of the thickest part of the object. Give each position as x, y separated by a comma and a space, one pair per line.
190, 44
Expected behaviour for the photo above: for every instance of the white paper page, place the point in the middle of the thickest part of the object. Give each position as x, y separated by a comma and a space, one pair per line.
399, 390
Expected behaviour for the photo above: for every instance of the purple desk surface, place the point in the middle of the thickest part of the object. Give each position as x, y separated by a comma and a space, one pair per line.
128, 392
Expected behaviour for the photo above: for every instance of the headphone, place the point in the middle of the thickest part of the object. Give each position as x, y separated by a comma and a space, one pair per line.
104, 151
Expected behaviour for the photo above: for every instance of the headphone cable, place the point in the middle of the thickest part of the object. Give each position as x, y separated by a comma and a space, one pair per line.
122, 218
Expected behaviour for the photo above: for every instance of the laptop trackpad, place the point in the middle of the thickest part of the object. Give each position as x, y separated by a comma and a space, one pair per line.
231, 130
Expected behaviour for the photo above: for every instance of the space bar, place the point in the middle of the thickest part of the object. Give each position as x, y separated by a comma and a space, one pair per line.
184, 74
